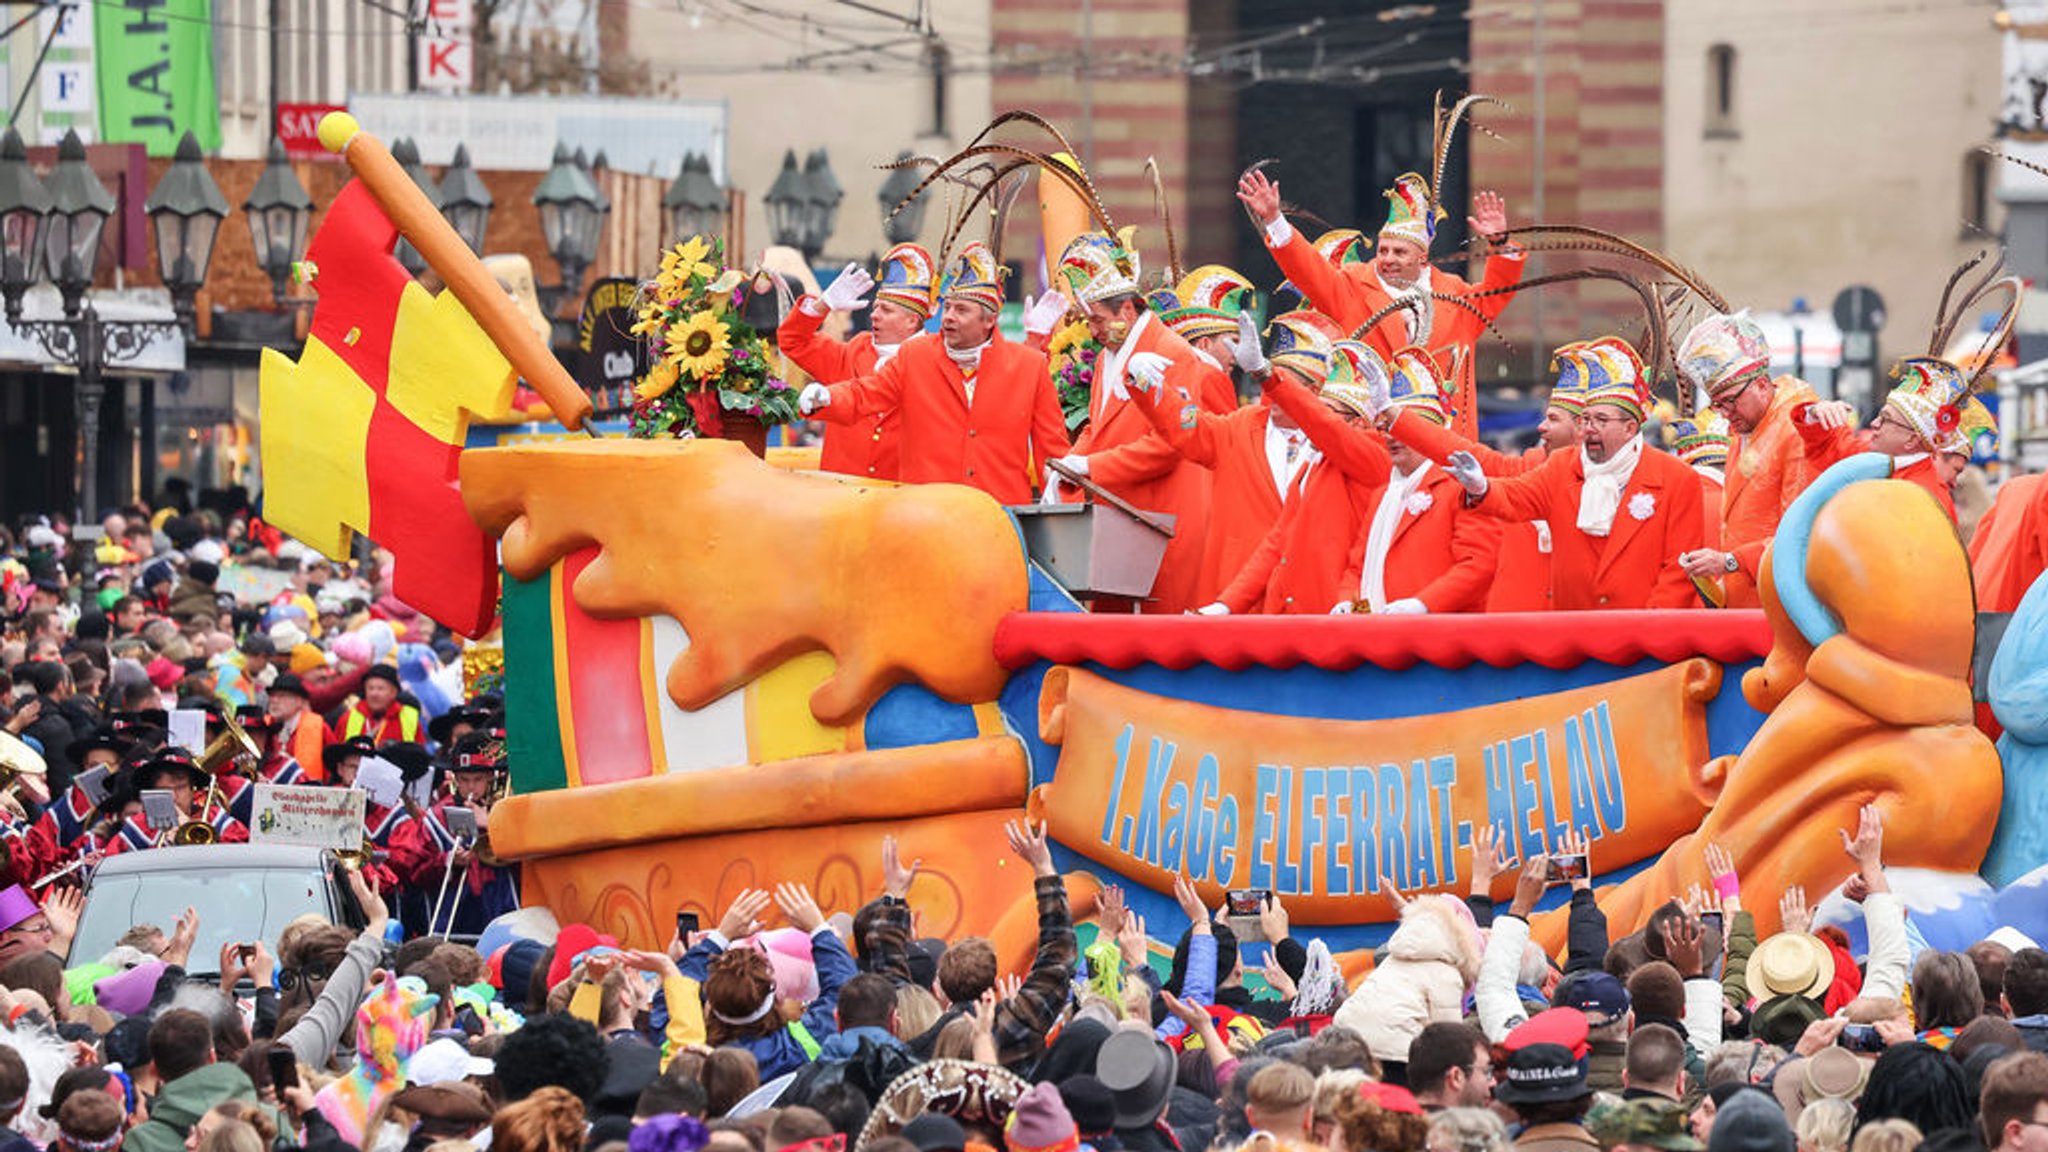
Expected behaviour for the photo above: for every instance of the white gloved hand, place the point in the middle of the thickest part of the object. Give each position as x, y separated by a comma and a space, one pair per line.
1343, 608
849, 291
813, 397
1464, 468
1145, 371
1406, 606
1213, 610
1076, 464
1251, 359
1044, 314
1379, 393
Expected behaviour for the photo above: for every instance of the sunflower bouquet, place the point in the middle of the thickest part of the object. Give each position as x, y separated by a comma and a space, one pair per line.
706, 361
1073, 353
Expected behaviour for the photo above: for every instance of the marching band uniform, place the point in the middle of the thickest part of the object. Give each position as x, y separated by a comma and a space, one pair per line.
134, 833
1766, 468
1619, 525
869, 445
487, 891
1121, 450
1701, 443
1351, 293
1300, 566
986, 417
1422, 550
277, 768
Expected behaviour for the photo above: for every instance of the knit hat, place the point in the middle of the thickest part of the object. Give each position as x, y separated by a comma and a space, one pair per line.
575, 941
1039, 1122
1750, 1122
1413, 383
1358, 378
384, 672
285, 635
1700, 440
307, 657
156, 572
1089, 1102
935, 1132
975, 275
909, 279
1722, 350
1301, 341
1542, 1073
1096, 267
1930, 395
1615, 377
1409, 215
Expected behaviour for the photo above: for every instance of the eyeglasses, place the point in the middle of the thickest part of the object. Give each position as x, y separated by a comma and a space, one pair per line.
312, 974
1603, 419
1726, 404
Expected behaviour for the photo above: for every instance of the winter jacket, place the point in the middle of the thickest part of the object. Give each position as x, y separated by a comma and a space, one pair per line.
790, 1048
2034, 1030
1585, 934
191, 598
182, 1102
1740, 943
1419, 983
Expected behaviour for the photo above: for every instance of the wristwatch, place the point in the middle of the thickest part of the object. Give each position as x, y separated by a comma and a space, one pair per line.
1730, 564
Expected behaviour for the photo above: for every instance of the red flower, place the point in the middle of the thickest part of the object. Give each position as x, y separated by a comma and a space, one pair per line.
1947, 417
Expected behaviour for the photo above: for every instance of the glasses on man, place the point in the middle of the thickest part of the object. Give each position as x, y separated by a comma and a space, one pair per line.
311, 974
1726, 405
1602, 419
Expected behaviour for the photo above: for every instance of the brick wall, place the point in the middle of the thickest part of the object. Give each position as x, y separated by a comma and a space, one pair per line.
1602, 153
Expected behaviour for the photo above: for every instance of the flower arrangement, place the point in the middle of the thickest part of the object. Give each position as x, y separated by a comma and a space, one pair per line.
1073, 354
706, 361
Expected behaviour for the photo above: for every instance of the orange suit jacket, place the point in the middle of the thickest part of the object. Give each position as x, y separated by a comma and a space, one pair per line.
868, 446
1636, 564
1522, 573
998, 443
1766, 471
1130, 458
1444, 555
1244, 503
1350, 295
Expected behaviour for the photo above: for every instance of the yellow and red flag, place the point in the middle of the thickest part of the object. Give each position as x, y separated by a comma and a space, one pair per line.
364, 433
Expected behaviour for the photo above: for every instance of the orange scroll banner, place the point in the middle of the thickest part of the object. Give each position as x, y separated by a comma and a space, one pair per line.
1318, 810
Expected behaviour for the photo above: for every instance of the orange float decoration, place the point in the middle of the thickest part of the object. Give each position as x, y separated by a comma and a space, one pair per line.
721, 673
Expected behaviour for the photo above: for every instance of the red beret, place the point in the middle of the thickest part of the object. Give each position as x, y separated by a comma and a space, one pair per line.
1565, 1027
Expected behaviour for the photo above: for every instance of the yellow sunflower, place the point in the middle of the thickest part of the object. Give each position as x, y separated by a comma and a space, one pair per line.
660, 379
686, 260
698, 345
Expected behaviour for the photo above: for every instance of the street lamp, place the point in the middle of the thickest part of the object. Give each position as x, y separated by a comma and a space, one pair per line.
904, 226
465, 201
187, 207
695, 203
408, 156
571, 219
825, 193
65, 220
789, 203
279, 209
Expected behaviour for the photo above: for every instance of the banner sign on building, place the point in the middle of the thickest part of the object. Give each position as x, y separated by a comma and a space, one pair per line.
155, 63
447, 55
298, 129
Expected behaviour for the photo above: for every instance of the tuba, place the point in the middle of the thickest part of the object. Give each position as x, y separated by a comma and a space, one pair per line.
17, 761
222, 754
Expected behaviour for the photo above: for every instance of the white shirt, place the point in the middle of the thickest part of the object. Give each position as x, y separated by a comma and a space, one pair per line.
1277, 441
1110, 368
1379, 540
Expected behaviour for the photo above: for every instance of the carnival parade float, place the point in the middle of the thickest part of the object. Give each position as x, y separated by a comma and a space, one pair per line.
721, 673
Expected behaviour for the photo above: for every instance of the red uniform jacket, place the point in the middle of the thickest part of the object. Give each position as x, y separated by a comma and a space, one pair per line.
1302, 565
1826, 447
1128, 457
1352, 294
1636, 564
996, 444
866, 447
1523, 562
1443, 554
1244, 503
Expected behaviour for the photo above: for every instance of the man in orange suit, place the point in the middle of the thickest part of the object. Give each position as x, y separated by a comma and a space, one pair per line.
1119, 449
903, 302
1400, 271
1923, 426
975, 409
1254, 452
1524, 564
1728, 358
1300, 567
1422, 550
1620, 513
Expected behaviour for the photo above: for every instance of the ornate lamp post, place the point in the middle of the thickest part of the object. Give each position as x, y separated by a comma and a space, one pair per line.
279, 210
825, 194
789, 204
465, 201
904, 226
571, 219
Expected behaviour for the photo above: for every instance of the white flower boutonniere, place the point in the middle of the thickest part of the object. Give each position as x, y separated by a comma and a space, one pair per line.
1418, 502
1642, 505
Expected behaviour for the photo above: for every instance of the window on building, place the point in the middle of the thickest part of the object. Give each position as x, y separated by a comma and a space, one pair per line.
1976, 193
1720, 120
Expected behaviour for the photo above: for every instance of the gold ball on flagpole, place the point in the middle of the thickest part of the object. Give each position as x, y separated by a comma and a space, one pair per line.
337, 129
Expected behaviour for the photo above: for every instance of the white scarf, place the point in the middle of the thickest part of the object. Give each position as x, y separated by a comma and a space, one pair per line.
1372, 584
1717, 475
1109, 372
1600, 499
969, 360
1418, 317
885, 353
